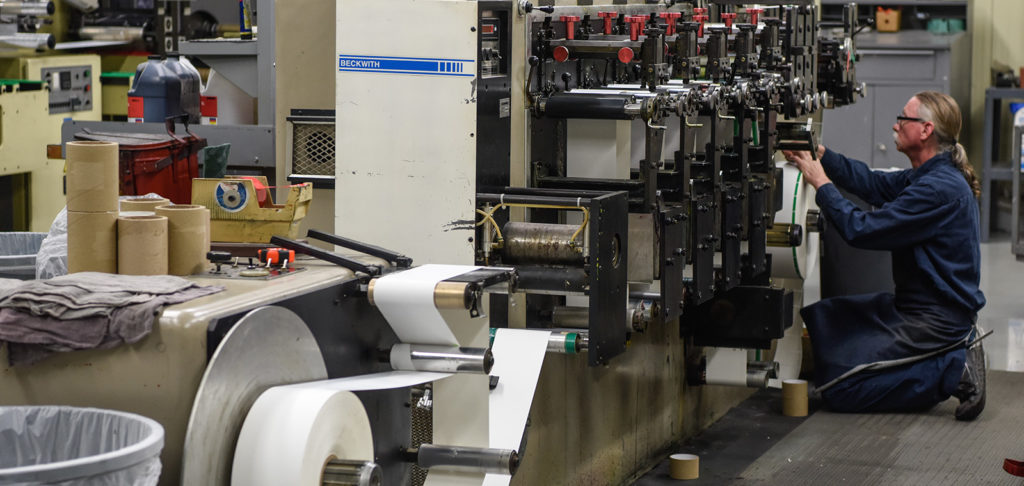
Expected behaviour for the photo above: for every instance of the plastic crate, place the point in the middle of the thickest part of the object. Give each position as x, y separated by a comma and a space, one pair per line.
18, 254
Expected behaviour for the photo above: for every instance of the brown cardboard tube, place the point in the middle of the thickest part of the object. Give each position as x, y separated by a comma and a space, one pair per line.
684, 466
92, 242
794, 398
142, 203
188, 238
92, 169
142, 245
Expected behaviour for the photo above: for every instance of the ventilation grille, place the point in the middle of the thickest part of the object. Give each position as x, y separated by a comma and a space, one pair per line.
313, 149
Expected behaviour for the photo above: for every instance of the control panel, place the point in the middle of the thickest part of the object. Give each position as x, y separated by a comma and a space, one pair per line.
70, 88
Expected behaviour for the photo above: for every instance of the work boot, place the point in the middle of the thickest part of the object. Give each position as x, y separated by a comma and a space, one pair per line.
971, 390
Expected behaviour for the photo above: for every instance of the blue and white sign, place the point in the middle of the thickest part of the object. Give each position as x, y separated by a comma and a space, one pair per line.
407, 65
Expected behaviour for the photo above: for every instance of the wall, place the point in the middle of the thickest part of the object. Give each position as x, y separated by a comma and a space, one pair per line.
304, 55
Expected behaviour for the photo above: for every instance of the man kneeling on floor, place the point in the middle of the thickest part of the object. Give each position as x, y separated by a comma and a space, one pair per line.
913, 349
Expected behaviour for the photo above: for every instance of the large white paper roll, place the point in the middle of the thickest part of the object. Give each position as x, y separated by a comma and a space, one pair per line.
291, 433
797, 199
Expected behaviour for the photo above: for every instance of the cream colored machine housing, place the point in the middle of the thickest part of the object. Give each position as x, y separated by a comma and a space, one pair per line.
159, 376
27, 126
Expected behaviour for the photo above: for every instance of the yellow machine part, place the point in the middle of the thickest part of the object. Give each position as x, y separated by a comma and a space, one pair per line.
25, 129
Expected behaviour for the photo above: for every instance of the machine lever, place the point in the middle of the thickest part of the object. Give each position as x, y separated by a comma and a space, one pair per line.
328, 256
395, 258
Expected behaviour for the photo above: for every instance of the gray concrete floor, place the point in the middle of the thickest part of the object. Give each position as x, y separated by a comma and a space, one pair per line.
1002, 281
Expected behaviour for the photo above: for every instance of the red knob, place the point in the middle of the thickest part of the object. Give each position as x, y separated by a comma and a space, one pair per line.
608, 16
561, 54
670, 21
700, 11
625, 55
636, 22
728, 18
570, 25
701, 19
754, 13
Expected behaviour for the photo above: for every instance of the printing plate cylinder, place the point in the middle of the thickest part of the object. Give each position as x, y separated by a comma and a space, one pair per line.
542, 243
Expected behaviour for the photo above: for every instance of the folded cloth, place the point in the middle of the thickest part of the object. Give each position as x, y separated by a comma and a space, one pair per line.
87, 294
32, 337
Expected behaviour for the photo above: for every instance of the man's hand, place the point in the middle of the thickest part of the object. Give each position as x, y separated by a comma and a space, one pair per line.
814, 173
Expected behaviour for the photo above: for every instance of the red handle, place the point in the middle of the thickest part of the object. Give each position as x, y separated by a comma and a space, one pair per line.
728, 18
670, 21
608, 16
635, 23
570, 25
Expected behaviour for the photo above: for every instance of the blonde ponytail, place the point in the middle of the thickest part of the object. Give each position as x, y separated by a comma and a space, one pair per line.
960, 159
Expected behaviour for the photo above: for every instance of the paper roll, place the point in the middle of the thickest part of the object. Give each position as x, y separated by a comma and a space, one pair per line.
726, 366
143, 203
794, 398
92, 176
92, 242
142, 245
407, 301
684, 466
797, 199
188, 238
291, 433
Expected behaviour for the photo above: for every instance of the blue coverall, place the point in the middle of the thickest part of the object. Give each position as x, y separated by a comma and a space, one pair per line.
928, 218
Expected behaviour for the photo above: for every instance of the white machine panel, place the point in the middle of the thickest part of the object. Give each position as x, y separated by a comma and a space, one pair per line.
406, 123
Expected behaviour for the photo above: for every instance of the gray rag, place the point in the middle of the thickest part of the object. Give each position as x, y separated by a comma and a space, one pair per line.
87, 294
35, 330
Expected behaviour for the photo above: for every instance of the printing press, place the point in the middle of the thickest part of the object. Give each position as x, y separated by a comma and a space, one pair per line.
604, 175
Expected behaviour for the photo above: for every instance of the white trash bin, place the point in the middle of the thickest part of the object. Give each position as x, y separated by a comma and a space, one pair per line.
71, 446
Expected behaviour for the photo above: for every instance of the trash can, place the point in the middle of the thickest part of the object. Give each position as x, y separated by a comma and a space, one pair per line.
78, 446
18, 254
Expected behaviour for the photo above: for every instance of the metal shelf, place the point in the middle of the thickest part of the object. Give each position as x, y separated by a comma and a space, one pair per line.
991, 169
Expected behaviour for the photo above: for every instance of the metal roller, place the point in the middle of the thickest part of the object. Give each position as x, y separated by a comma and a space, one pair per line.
594, 107
37, 42
474, 459
785, 235
542, 243
561, 342
38, 9
639, 315
111, 33
441, 359
447, 295
338, 472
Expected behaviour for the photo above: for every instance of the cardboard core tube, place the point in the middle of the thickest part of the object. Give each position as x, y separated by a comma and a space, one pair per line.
188, 238
142, 245
92, 170
794, 398
92, 242
142, 204
684, 466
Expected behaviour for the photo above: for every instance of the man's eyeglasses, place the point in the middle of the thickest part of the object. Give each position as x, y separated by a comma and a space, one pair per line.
901, 118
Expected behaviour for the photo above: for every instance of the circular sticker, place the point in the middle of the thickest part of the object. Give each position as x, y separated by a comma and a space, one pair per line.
231, 196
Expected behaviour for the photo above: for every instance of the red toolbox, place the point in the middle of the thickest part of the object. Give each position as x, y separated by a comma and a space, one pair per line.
164, 164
